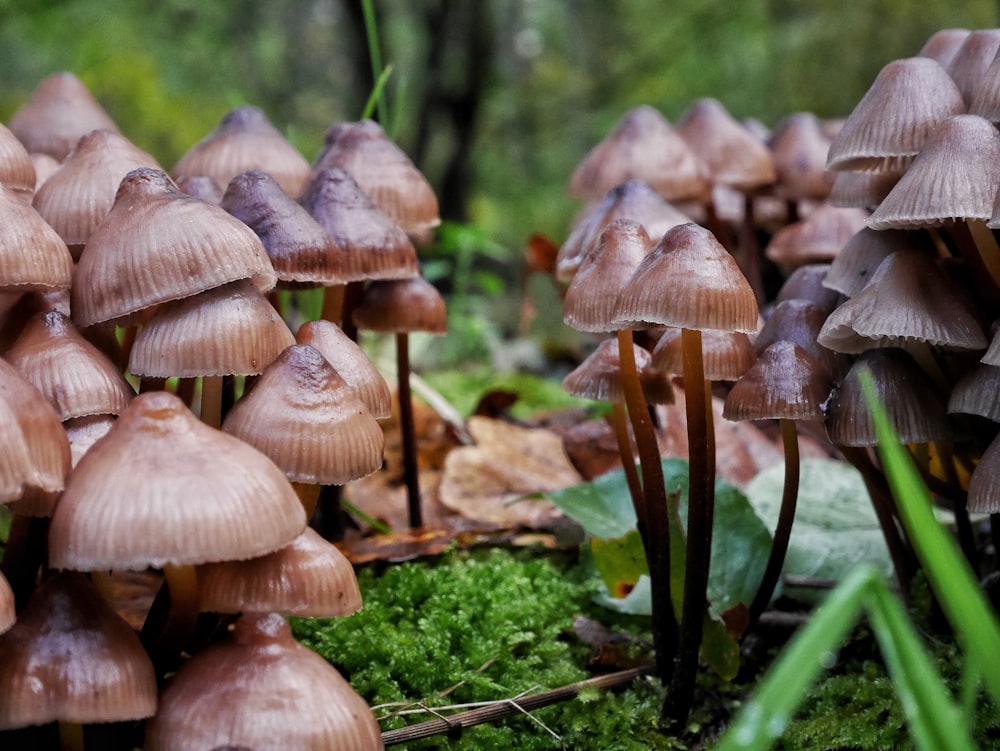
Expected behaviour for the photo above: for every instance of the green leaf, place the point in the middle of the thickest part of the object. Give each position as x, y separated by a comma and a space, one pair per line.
719, 648
603, 507
620, 561
835, 526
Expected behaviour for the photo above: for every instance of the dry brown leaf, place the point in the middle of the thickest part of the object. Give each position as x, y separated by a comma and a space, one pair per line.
488, 481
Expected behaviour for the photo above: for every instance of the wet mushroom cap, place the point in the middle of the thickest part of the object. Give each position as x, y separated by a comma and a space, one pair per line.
785, 383
727, 355
402, 306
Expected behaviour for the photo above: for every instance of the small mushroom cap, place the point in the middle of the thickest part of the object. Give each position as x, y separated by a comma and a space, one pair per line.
245, 139
163, 488
309, 577
261, 689
943, 44
351, 364
857, 261
977, 392
32, 255
888, 127
689, 280
589, 304
818, 238
306, 418
376, 247
984, 484
785, 383
17, 169
799, 149
599, 375
229, 330
809, 283
71, 658
84, 432
57, 114
972, 59
158, 244
799, 322
402, 306
726, 355
861, 190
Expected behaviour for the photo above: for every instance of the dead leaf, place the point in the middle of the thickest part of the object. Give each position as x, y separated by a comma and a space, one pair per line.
399, 546
489, 481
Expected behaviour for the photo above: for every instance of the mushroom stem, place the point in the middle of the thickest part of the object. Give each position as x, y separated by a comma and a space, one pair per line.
353, 293
653, 514
24, 554
701, 505
172, 618
211, 401
624, 440
333, 303
308, 493
749, 258
70, 736
408, 432
783, 529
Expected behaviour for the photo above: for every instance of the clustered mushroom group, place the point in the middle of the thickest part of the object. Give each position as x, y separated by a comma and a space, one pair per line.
879, 253
159, 414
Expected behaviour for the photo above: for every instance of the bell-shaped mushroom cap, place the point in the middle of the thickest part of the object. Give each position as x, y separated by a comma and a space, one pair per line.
351, 364
376, 247
402, 306
689, 280
799, 148
816, 239
910, 298
84, 432
915, 407
229, 330
75, 376
306, 418
943, 44
642, 145
955, 176
71, 658
299, 248
57, 114
809, 283
977, 392
245, 139
32, 255
785, 383
589, 304
888, 127
309, 577
45, 166
734, 156
799, 322
7, 613
261, 689
634, 200
972, 59
726, 354
986, 94
857, 261
30, 423
384, 172
17, 170
862, 190
992, 356
201, 186
77, 197
163, 488
158, 244
599, 375
984, 484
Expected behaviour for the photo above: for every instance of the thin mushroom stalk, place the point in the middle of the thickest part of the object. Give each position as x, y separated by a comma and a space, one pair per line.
411, 474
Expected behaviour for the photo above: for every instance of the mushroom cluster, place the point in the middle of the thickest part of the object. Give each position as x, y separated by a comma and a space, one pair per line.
864, 244
160, 415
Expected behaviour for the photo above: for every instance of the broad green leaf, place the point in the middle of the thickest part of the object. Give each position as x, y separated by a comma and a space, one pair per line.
636, 602
719, 649
603, 507
620, 561
835, 526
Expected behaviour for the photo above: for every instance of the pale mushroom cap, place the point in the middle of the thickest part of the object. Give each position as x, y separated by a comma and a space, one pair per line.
599, 375
245, 139
158, 244
809, 283
972, 59
943, 44
32, 255
862, 190
402, 306
785, 383
888, 127
261, 689
726, 355
17, 169
689, 280
857, 261
71, 658
229, 330
816, 239
84, 432
351, 364
309, 577
163, 488
799, 148
306, 418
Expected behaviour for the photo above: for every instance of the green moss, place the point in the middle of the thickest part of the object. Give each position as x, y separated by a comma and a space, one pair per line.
480, 626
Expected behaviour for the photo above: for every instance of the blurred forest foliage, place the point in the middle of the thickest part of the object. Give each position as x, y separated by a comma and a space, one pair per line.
497, 100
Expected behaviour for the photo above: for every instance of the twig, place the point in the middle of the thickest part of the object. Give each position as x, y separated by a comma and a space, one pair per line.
509, 707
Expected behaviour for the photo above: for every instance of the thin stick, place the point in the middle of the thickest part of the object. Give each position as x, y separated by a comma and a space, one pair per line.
510, 707
408, 432
211, 401
333, 303
624, 441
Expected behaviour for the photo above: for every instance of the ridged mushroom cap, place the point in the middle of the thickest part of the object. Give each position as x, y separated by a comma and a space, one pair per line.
726, 355
857, 261
17, 169
816, 239
599, 376
785, 383
32, 255
972, 59
400, 306
809, 283
163, 488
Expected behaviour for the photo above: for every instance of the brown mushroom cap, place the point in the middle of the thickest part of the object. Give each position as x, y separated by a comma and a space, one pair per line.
383, 171
77, 196
245, 139
799, 322
984, 484
727, 355
816, 239
309, 577
401, 306
71, 658
589, 304
84, 432
351, 364
229, 330
888, 127
376, 247
599, 375
689, 280
306, 418
857, 261
809, 283
862, 190
17, 169
644, 145
785, 383
7, 613
972, 59
977, 392
158, 244
32, 255
261, 689
163, 488
57, 114
799, 148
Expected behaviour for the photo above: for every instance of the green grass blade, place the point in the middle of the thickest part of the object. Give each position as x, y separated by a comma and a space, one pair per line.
377, 93
375, 55
953, 582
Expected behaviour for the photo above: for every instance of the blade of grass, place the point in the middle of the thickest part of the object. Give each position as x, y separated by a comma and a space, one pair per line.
375, 55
